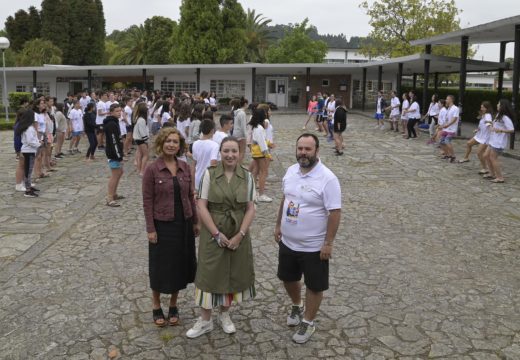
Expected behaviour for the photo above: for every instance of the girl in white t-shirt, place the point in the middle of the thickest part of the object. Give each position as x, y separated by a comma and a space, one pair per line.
165, 114
404, 115
481, 135
501, 127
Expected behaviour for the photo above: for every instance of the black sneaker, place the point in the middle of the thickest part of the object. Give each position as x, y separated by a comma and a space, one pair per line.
59, 156
33, 189
30, 194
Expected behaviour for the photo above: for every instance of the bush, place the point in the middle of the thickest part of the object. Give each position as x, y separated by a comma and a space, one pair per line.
224, 101
17, 98
472, 99
7, 125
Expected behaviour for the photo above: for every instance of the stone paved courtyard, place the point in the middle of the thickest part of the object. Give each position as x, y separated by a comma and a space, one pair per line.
426, 263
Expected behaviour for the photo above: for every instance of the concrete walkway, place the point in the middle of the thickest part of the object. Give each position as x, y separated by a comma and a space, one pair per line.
425, 264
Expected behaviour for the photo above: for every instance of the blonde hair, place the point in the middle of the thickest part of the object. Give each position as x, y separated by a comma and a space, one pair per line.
161, 139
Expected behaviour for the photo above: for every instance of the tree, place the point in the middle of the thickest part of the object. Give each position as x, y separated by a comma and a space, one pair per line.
198, 36
131, 49
158, 31
111, 51
258, 36
55, 24
37, 52
297, 47
396, 23
232, 49
22, 27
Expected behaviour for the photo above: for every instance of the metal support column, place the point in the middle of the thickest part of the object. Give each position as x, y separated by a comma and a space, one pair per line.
380, 78
500, 85
399, 79
464, 42
436, 82
364, 89
198, 80
414, 82
253, 85
89, 81
426, 78
144, 79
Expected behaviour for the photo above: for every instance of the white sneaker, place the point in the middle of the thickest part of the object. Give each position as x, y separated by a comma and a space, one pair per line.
382, 127
226, 323
200, 327
20, 187
264, 198
296, 316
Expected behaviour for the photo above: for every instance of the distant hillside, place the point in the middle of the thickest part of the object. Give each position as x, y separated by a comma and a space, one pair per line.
332, 41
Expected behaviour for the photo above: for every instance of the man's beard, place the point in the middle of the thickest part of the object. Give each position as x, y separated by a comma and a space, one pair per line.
306, 161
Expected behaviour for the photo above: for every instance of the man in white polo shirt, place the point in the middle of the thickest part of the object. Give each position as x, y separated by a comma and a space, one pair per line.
307, 222
449, 129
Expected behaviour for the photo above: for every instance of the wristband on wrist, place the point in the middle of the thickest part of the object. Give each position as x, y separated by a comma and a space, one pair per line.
242, 233
216, 236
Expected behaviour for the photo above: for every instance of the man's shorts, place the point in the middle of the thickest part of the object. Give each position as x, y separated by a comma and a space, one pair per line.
446, 137
378, 116
77, 133
292, 264
99, 129
114, 164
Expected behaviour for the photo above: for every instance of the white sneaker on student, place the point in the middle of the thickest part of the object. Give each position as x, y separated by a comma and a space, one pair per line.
226, 323
20, 187
264, 198
200, 327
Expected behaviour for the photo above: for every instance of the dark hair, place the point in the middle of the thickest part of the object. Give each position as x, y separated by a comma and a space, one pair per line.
443, 102
405, 94
224, 119
141, 110
235, 103
228, 139
414, 95
316, 140
184, 111
36, 105
206, 126
165, 108
26, 120
435, 98
114, 106
243, 101
208, 115
90, 106
59, 107
198, 111
505, 109
489, 109
339, 102
258, 118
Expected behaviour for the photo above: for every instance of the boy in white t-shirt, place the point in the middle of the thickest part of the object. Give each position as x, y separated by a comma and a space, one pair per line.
395, 114
76, 120
449, 129
102, 112
205, 152
226, 124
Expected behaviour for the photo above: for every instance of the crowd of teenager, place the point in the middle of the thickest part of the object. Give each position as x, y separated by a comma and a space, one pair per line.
121, 122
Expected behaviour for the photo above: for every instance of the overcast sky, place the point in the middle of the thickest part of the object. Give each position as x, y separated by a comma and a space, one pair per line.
331, 16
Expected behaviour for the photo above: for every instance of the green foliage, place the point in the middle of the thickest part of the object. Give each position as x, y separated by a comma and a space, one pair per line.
55, 25
258, 36
10, 58
198, 36
17, 98
232, 48
396, 23
23, 27
297, 47
37, 52
158, 31
131, 49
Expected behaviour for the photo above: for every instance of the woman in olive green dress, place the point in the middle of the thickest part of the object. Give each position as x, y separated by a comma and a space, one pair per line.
225, 272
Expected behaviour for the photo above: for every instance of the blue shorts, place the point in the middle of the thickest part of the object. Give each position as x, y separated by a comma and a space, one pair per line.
446, 137
77, 133
114, 164
379, 116
497, 150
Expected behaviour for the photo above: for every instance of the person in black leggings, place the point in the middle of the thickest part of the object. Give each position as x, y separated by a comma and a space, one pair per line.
414, 114
89, 122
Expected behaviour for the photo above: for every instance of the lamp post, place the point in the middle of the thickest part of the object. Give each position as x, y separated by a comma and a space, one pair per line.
4, 44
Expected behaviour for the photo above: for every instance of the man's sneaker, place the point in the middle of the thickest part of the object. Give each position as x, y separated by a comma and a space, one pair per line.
30, 194
295, 317
226, 323
304, 333
264, 198
20, 187
200, 327
34, 189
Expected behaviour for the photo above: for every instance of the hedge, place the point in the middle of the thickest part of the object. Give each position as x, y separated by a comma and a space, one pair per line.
16, 99
472, 99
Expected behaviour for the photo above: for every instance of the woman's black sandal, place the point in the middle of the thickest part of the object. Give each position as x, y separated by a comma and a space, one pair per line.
158, 315
173, 314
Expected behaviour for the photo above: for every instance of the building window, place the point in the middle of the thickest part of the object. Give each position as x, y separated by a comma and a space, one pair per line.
334, 61
387, 86
42, 88
189, 87
370, 85
228, 88
357, 85
325, 82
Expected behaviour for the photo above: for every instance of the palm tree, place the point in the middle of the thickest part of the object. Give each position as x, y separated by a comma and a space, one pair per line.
258, 36
132, 47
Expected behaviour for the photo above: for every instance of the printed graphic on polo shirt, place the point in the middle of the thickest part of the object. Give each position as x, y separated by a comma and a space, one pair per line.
292, 213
